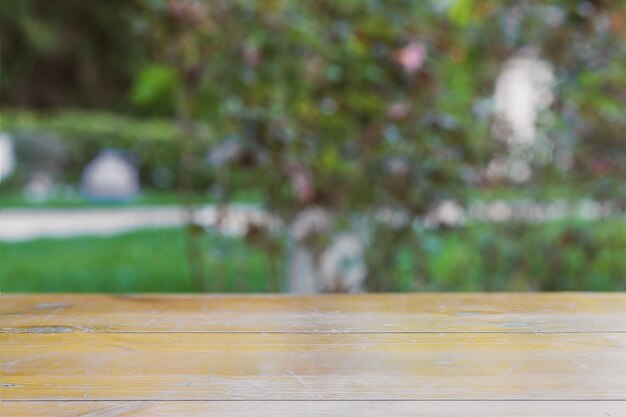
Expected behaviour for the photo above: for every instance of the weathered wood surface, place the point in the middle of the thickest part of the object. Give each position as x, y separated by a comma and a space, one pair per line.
375, 313
366, 355
316, 409
256, 366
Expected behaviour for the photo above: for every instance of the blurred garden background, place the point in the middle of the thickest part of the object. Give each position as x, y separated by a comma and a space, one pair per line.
312, 146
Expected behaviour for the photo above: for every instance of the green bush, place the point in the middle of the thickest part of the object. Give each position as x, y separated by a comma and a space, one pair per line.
76, 137
484, 257
556, 256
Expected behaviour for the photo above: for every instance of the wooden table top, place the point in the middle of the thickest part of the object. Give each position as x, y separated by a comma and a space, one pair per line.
487, 355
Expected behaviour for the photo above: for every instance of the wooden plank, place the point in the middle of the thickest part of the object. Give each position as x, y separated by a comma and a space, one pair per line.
316, 409
201, 366
556, 312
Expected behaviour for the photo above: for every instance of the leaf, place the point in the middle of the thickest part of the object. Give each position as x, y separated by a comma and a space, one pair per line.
155, 88
461, 11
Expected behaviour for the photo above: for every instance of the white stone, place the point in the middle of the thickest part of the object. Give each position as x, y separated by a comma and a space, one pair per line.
7, 156
110, 177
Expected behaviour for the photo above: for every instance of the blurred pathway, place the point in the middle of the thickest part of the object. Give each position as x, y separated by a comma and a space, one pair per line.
24, 224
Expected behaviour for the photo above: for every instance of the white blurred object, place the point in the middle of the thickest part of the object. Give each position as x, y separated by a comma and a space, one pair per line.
39, 187
7, 156
110, 177
310, 221
342, 266
447, 213
322, 260
523, 89
304, 254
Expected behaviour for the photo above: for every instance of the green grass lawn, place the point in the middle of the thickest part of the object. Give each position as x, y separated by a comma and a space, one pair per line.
145, 261
15, 199
483, 257
150, 197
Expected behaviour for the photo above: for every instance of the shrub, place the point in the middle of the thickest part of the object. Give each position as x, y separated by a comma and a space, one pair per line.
65, 141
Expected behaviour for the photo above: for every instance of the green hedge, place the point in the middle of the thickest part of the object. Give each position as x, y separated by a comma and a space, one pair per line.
484, 257
555, 256
567, 255
76, 137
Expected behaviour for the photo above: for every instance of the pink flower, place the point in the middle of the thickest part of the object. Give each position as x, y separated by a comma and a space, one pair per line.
412, 57
301, 182
251, 55
399, 110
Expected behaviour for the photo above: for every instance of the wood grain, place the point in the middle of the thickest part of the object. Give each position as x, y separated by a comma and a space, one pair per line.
313, 367
560, 354
376, 313
315, 409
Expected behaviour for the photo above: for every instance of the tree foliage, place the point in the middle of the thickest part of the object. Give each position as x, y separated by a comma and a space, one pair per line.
356, 105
